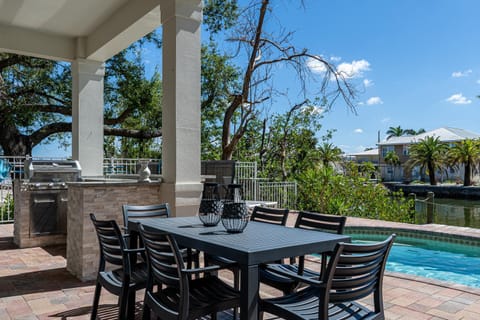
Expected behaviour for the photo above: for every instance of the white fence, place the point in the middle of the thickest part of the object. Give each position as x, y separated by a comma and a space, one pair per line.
257, 189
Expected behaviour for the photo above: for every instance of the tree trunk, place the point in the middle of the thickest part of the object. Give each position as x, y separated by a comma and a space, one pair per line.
13, 142
431, 174
467, 181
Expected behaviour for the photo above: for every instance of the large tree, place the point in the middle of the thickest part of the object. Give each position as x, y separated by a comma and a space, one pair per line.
466, 152
263, 47
35, 99
35, 96
428, 153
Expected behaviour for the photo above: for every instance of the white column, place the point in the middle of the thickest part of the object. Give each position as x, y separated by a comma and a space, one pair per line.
181, 20
87, 115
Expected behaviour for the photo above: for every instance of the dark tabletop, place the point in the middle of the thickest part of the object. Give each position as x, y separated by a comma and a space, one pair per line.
258, 243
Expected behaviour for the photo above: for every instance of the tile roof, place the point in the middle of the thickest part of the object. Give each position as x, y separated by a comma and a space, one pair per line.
446, 134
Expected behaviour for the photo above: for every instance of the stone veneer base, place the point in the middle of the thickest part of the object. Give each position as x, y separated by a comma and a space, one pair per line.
105, 201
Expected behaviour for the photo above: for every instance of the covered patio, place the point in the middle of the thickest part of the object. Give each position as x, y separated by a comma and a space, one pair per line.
86, 34
36, 285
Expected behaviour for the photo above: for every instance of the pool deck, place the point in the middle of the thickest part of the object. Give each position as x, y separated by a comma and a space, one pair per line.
34, 284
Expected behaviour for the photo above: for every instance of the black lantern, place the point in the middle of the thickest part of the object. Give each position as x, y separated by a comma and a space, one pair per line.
235, 213
211, 206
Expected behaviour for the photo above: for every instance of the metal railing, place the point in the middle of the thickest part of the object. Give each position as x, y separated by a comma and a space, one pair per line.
128, 166
254, 188
258, 189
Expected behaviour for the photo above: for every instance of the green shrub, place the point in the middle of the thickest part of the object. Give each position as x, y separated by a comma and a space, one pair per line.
323, 190
7, 209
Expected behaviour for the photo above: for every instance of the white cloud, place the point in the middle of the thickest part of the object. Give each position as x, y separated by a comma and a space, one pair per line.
359, 130
458, 98
367, 83
385, 120
349, 70
313, 110
374, 100
478, 81
335, 59
354, 69
316, 66
459, 74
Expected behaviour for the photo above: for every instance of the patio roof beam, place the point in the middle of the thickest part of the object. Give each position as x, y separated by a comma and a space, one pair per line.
37, 44
128, 24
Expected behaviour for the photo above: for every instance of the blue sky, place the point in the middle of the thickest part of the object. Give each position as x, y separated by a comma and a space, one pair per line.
420, 61
416, 63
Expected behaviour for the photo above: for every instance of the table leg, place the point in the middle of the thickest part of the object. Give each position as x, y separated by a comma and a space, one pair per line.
249, 287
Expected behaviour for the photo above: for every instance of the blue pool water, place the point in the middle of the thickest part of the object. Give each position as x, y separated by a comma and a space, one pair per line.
432, 259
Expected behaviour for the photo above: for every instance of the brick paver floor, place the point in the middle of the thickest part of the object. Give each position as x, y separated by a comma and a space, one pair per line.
34, 284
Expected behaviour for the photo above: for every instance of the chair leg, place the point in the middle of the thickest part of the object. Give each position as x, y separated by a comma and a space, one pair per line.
122, 305
236, 285
131, 305
96, 301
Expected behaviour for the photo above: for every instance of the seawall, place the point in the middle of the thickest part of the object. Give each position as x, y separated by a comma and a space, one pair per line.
440, 191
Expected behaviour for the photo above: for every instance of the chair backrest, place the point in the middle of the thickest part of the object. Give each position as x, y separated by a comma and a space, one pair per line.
112, 244
144, 211
270, 215
224, 170
320, 222
355, 271
165, 263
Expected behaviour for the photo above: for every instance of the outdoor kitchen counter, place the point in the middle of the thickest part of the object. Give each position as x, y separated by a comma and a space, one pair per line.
96, 181
104, 198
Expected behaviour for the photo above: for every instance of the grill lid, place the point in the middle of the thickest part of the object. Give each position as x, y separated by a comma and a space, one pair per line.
52, 170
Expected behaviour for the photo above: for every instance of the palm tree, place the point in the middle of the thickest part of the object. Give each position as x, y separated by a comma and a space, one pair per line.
413, 132
393, 160
398, 132
395, 132
328, 153
466, 152
430, 153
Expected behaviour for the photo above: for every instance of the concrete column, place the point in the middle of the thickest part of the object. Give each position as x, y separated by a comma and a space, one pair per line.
87, 115
181, 22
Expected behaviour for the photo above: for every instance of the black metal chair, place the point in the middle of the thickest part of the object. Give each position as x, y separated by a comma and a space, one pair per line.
310, 221
124, 280
171, 293
270, 215
144, 211
161, 210
354, 271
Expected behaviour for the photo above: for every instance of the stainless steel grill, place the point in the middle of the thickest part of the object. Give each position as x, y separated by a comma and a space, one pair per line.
51, 174
46, 182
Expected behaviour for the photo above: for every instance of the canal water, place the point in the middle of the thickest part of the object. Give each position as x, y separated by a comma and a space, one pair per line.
452, 212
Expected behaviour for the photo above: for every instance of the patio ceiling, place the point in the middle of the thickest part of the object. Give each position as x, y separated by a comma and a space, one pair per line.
70, 29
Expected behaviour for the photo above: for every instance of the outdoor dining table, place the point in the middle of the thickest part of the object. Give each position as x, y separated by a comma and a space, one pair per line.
258, 243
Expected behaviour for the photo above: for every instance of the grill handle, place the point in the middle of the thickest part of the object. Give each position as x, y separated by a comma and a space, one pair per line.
43, 201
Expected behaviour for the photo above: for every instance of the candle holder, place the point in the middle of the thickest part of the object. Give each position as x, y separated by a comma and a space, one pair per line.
235, 216
210, 212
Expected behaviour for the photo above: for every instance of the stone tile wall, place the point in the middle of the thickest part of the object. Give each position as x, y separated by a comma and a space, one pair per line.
105, 201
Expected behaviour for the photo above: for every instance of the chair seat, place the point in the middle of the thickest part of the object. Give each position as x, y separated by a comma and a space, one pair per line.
112, 280
304, 305
206, 295
283, 283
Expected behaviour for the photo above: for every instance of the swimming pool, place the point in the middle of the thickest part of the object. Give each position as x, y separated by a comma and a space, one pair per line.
439, 260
